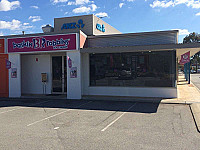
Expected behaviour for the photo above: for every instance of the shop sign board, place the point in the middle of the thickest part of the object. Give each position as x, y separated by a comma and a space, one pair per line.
42, 43
185, 58
73, 25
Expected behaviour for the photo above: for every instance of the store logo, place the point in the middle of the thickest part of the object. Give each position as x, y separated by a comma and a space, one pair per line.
73, 25
100, 27
42, 43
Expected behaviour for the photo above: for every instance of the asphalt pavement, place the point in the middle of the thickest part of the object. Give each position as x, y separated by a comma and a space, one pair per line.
92, 125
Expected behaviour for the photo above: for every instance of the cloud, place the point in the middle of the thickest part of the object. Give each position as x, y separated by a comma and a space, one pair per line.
183, 31
5, 5
173, 3
79, 2
101, 14
197, 14
35, 18
94, 7
36, 7
84, 9
120, 5
1, 33
25, 23
162, 4
14, 25
58, 1
130, 0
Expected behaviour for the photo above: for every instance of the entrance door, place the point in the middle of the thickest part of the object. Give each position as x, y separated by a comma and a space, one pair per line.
59, 74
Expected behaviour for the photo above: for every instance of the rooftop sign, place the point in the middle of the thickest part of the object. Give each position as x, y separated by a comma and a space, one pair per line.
42, 43
73, 25
100, 27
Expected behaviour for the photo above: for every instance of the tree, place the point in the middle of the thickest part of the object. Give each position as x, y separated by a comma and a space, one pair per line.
193, 38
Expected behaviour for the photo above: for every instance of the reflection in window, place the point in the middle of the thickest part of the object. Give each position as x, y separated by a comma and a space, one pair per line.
144, 69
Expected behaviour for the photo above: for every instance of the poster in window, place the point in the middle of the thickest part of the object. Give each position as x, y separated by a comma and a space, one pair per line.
73, 72
141, 59
14, 73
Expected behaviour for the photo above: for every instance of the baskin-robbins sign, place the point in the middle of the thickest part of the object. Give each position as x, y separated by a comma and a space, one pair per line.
42, 43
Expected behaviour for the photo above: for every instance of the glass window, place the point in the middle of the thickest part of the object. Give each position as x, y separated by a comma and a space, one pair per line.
144, 69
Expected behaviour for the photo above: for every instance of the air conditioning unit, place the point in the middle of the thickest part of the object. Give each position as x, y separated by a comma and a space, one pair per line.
47, 28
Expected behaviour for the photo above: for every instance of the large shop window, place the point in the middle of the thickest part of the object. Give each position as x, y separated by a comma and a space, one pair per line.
144, 69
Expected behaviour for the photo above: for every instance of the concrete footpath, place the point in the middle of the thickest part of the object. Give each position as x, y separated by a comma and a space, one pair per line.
187, 94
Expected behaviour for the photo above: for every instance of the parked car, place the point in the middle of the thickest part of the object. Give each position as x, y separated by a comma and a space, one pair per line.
193, 71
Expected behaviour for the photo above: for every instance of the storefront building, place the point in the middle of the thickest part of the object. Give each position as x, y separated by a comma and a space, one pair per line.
85, 56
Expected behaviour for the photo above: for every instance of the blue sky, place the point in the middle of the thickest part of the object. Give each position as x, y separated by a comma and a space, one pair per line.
128, 16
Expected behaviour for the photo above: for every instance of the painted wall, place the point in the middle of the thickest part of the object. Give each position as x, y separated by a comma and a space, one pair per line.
74, 87
82, 39
15, 83
121, 91
108, 28
89, 28
31, 73
87, 21
4, 90
134, 39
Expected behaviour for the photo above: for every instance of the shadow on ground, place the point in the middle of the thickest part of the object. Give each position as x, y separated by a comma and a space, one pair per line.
123, 106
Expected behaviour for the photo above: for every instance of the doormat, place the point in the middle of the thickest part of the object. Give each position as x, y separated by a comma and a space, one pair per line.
53, 94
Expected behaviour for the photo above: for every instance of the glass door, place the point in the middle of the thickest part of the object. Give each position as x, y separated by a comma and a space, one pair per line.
59, 74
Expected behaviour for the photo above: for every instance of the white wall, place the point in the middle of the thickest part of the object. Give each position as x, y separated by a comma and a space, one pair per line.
31, 73
15, 83
74, 84
121, 91
136, 92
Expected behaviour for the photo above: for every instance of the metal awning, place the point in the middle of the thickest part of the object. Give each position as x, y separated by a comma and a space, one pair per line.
180, 49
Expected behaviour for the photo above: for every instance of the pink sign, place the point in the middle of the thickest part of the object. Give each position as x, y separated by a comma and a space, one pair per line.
42, 43
8, 64
69, 62
185, 58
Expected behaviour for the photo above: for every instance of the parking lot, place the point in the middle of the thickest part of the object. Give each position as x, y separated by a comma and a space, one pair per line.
85, 125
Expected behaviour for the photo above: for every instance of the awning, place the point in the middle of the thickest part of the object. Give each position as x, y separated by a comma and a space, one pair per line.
180, 49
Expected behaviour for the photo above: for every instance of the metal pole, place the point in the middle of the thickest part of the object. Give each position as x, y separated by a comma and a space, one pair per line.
189, 73
43, 87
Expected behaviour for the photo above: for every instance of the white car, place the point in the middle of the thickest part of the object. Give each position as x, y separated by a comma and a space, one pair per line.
193, 71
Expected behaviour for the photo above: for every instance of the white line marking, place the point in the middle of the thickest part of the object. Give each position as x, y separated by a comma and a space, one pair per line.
104, 129
55, 115
23, 107
47, 118
56, 128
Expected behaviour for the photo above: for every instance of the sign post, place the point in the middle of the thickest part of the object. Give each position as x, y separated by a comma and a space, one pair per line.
185, 60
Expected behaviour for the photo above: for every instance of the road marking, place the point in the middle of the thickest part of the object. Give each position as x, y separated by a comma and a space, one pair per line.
104, 129
23, 107
55, 115
56, 128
